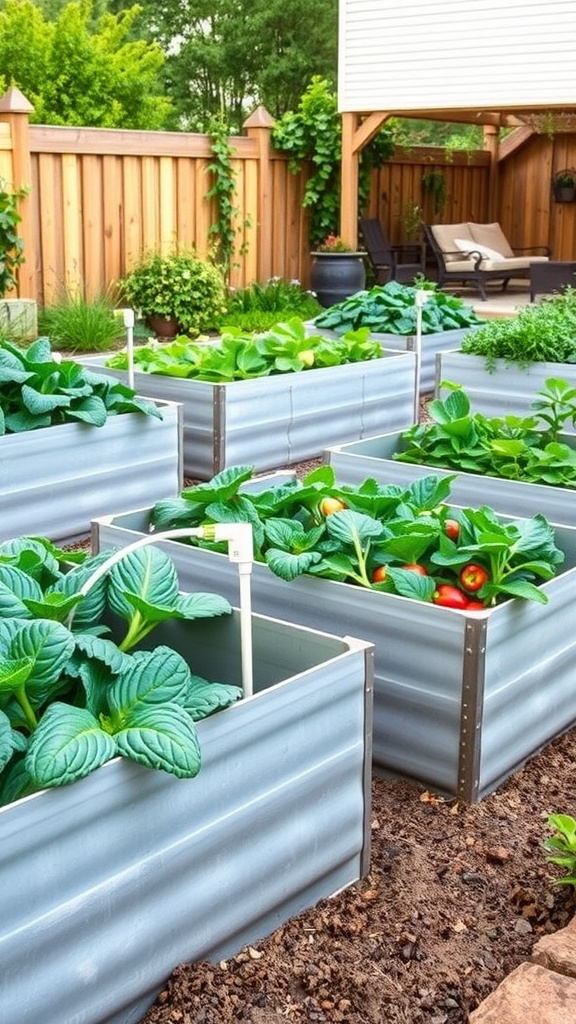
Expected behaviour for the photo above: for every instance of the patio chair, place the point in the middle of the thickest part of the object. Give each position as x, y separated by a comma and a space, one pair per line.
390, 262
479, 253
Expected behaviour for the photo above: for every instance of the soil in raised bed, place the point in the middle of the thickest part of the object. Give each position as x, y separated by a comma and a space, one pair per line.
455, 899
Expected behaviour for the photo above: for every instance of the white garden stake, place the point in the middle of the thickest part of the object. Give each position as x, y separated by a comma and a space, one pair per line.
420, 298
240, 550
128, 319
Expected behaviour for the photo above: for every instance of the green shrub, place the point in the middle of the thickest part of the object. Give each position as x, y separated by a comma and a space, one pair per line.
260, 306
75, 324
180, 286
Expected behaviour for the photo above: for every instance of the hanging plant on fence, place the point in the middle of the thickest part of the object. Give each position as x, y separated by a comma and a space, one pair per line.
434, 184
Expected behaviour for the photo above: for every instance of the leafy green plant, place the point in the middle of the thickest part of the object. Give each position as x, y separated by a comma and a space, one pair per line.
179, 286
375, 526
515, 448
391, 309
11, 245
260, 306
37, 390
285, 348
561, 846
71, 697
313, 133
77, 324
544, 331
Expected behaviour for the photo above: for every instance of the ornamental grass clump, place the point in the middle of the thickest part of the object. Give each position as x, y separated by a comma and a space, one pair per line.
541, 333
179, 286
76, 324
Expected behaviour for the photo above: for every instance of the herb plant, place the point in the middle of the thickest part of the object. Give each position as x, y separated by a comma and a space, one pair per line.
509, 446
285, 348
545, 332
561, 846
391, 309
297, 530
71, 698
37, 390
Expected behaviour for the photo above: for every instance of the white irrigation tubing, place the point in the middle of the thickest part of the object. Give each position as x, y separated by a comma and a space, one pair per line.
240, 550
420, 298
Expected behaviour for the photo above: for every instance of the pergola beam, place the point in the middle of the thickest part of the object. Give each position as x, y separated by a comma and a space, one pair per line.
359, 127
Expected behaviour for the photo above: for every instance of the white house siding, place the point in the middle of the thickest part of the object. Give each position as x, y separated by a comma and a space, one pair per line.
450, 54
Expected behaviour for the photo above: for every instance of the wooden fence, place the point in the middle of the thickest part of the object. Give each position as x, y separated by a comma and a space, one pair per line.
99, 198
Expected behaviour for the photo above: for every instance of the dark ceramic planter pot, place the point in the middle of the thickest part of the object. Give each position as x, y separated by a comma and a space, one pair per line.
336, 276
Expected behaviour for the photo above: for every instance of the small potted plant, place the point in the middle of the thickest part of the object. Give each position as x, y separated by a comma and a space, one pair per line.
564, 186
337, 272
178, 292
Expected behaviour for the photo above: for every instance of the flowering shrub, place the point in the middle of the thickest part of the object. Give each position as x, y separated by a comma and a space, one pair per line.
180, 286
333, 243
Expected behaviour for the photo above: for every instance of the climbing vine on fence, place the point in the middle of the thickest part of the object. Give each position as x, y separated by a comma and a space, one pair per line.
223, 189
11, 246
314, 133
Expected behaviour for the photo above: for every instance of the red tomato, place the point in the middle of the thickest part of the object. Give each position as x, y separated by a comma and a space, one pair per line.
452, 529
449, 597
415, 567
330, 505
379, 574
472, 577
475, 606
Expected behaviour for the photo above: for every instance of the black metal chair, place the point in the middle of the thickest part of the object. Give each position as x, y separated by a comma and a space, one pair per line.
390, 262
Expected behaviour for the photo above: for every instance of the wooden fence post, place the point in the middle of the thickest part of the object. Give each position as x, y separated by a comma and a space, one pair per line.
491, 143
259, 127
15, 110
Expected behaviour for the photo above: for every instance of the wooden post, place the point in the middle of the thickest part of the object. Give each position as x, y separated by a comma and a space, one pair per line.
15, 110
491, 143
357, 132
259, 127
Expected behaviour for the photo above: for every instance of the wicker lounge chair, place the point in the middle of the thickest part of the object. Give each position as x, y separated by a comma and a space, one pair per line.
390, 262
479, 253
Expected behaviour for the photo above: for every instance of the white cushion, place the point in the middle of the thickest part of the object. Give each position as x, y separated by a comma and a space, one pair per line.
486, 253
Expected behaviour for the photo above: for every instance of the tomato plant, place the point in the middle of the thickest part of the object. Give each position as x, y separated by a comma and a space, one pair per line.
452, 528
346, 533
450, 597
475, 606
473, 577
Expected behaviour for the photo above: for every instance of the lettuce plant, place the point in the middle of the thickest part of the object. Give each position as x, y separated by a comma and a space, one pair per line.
71, 697
285, 348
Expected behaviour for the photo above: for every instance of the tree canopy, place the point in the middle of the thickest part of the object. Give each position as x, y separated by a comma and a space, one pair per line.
79, 71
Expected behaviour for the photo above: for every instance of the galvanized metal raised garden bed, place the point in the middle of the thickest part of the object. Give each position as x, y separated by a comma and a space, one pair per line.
56, 479
373, 457
111, 882
431, 345
280, 420
508, 390
461, 699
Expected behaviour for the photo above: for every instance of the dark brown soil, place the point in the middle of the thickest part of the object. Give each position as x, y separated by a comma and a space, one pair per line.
455, 899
